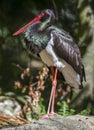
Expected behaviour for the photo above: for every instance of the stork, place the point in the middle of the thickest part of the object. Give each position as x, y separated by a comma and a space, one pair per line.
57, 49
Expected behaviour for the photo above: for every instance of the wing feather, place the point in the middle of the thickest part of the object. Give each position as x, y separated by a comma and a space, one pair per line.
65, 47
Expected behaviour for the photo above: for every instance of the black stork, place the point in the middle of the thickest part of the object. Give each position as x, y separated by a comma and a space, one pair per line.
57, 49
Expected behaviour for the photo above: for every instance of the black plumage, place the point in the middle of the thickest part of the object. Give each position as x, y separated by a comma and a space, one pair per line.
64, 46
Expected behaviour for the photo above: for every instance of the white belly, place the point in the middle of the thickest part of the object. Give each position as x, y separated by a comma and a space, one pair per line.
46, 58
71, 77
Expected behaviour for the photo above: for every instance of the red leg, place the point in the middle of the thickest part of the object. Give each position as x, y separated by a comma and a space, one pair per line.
54, 83
52, 96
52, 91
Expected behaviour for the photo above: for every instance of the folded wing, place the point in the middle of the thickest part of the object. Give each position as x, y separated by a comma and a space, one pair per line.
66, 48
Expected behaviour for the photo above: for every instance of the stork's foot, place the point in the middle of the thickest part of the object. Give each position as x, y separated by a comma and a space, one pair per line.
53, 113
45, 116
48, 115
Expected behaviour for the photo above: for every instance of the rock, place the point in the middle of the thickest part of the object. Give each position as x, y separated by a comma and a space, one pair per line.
57, 122
9, 105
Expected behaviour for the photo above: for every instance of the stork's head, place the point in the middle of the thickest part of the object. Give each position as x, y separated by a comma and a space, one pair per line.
46, 18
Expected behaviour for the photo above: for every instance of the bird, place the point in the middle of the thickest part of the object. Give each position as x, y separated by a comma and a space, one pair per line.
57, 49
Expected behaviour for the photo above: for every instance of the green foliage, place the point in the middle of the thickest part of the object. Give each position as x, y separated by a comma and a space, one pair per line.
43, 110
65, 109
85, 112
29, 115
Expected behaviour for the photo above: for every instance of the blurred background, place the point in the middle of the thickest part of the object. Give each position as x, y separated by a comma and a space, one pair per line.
25, 82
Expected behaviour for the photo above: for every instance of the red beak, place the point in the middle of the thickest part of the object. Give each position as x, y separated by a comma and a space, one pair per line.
27, 25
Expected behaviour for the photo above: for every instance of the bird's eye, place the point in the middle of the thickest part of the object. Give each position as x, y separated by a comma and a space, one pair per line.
44, 18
